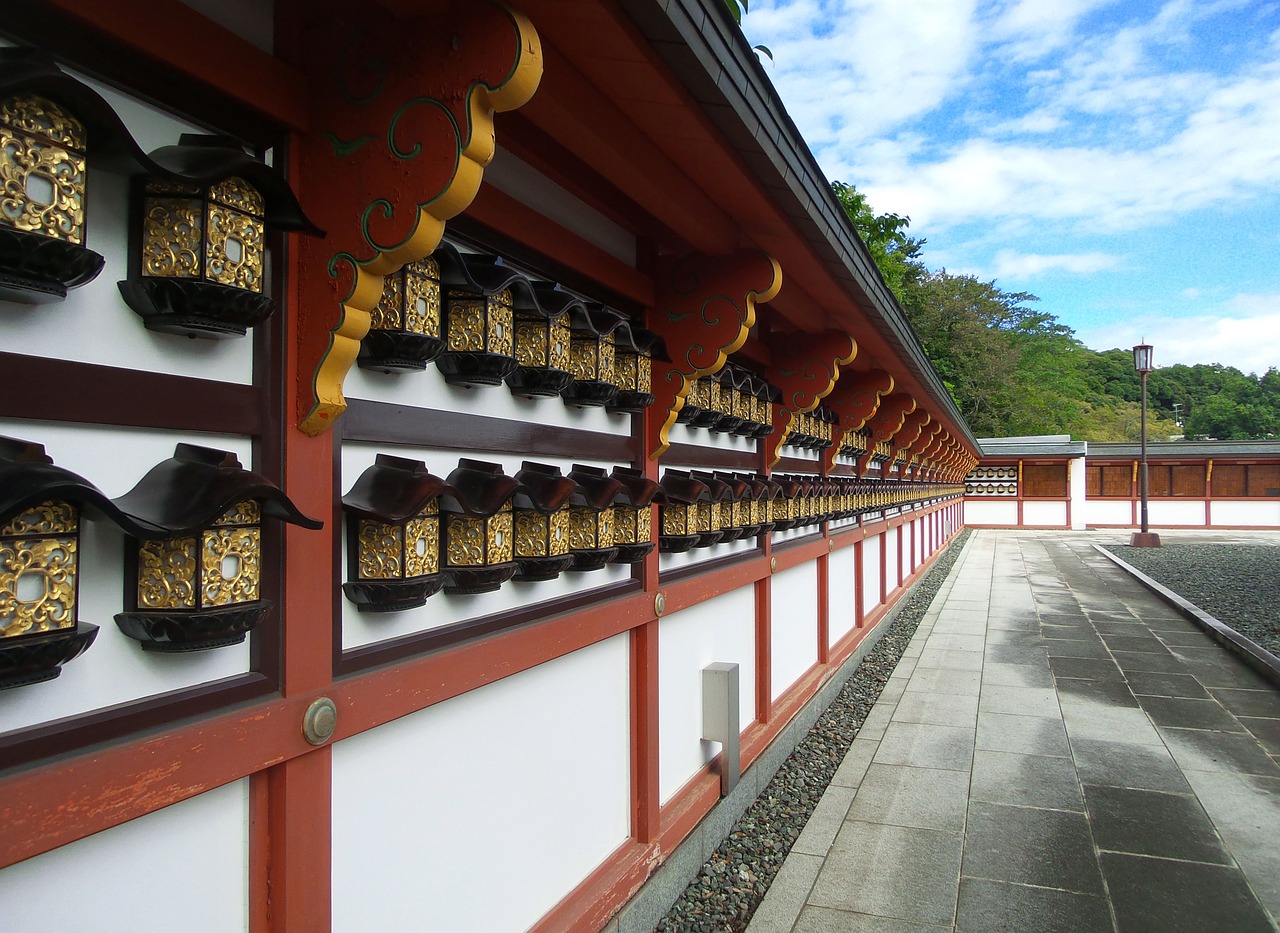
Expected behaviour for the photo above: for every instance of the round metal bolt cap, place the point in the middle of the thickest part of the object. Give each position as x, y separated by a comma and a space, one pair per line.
320, 721
773, 564
659, 604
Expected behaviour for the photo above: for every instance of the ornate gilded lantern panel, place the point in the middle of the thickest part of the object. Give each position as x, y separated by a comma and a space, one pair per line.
591, 516
479, 529
633, 514
196, 576
595, 332
542, 344
678, 516
393, 536
404, 327
42, 201
479, 333
635, 350
542, 522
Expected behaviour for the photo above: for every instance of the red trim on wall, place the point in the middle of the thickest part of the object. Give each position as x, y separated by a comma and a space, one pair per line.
824, 606
644, 732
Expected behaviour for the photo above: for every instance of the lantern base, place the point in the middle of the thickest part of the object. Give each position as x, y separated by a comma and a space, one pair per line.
766, 528
726, 424
475, 368
688, 413
590, 393
392, 595
731, 534
467, 581
631, 401
706, 418
750, 531
676, 544
37, 270
536, 382
174, 631
398, 351
194, 308
633, 553
538, 569
762, 432
785, 524
708, 538
33, 659
747, 428
593, 558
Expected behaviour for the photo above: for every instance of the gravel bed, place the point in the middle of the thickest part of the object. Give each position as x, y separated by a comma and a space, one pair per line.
1238, 584
733, 881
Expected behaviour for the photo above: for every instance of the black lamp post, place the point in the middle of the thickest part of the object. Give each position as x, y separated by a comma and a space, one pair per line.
1142, 363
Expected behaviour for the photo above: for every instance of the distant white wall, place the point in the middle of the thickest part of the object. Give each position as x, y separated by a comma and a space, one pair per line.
1051, 514
1108, 512
890, 539
1262, 513
841, 594
185, 867
482, 812
990, 512
871, 573
1173, 512
1077, 486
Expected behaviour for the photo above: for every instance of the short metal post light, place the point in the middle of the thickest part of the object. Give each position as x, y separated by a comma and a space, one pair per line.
1142, 355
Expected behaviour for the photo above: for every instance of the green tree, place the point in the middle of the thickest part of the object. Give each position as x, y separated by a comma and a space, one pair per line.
895, 254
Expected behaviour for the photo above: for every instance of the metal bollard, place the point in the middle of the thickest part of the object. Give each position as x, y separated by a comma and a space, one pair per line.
720, 719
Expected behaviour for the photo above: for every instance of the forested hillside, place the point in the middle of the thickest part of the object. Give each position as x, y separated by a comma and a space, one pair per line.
1014, 369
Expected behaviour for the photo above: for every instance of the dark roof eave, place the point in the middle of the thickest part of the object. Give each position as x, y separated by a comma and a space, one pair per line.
700, 42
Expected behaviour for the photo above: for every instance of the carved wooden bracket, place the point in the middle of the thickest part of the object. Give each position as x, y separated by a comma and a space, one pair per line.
854, 400
916, 449
887, 422
913, 424
402, 129
705, 307
807, 369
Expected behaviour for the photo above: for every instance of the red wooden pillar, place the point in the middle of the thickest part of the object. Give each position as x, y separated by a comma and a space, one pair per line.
858, 583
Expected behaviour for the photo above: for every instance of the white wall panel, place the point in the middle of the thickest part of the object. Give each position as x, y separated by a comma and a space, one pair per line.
363, 628
1172, 512
1052, 514
1107, 512
482, 812
794, 611
890, 540
841, 594
871, 573
185, 867
1077, 479
1263, 513
115, 669
720, 629
699, 555
701, 437
990, 512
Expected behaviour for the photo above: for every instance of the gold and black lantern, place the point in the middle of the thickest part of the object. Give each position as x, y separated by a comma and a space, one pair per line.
591, 517
41, 509
789, 506
479, 331
714, 510
635, 350
196, 582
713, 397
541, 516
729, 400
633, 514
404, 327
393, 536
592, 351
735, 508
679, 512
697, 401
42, 201
542, 344
479, 531
772, 504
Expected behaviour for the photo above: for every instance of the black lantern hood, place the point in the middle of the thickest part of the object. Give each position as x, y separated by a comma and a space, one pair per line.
487, 274
637, 489
739, 488
394, 490
29, 477
717, 489
681, 488
196, 159
478, 489
596, 488
542, 487
187, 492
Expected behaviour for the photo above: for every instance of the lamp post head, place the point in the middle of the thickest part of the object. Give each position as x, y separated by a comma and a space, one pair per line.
1142, 354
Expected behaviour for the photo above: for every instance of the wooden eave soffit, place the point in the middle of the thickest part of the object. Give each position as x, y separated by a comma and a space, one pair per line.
855, 399
887, 422
401, 132
805, 370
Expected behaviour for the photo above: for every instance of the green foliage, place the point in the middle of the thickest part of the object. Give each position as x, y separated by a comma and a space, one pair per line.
1014, 369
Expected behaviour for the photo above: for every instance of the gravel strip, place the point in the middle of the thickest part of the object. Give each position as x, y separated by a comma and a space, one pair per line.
1238, 584
734, 880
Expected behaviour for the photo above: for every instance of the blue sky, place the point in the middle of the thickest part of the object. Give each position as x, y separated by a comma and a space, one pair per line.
1118, 158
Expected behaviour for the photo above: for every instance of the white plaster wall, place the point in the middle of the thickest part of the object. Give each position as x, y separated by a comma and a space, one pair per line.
871, 573
720, 629
482, 812
115, 669
1173, 512
1076, 489
891, 558
701, 437
1264, 513
535, 190
794, 610
185, 867
363, 628
700, 555
990, 512
841, 594
1108, 512
1053, 514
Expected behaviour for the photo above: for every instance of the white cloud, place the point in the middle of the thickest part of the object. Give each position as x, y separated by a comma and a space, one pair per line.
1010, 264
1239, 335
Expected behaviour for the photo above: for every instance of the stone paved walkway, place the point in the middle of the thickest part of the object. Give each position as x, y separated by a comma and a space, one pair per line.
1058, 751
